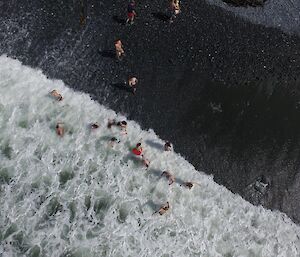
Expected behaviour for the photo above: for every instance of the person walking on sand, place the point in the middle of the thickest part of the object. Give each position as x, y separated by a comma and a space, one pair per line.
175, 9
119, 49
132, 82
130, 12
170, 177
163, 209
60, 131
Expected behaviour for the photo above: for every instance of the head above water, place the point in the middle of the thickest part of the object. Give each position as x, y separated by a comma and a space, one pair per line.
123, 122
138, 144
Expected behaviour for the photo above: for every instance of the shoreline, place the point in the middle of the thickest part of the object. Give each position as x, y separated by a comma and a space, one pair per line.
212, 90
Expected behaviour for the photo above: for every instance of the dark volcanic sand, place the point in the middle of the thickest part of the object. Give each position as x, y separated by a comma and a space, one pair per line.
224, 91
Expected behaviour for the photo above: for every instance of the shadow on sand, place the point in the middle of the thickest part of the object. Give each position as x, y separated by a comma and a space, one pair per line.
122, 86
108, 54
119, 20
161, 16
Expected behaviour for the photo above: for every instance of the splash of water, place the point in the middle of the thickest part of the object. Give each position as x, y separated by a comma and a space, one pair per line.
77, 196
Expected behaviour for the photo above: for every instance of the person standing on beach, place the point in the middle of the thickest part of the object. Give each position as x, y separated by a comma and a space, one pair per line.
132, 82
119, 49
131, 12
175, 9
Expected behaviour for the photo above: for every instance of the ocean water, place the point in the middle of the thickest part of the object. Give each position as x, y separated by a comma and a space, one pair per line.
78, 196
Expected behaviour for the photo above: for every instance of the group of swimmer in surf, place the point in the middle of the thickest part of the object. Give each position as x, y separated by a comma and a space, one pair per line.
137, 151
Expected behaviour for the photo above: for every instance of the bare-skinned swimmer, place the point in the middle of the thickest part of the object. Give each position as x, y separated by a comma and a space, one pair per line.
55, 94
169, 176
163, 209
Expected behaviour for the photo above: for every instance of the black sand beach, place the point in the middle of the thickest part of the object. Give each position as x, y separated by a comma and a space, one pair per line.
225, 92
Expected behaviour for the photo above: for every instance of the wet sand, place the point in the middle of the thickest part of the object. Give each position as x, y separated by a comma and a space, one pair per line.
225, 92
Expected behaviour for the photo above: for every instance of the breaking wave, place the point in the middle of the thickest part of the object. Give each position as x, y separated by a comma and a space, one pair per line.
78, 196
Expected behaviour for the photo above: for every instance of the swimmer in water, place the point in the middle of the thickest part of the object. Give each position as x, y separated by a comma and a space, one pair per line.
146, 162
95, 125
168, 146
138, 150
121, 124
56, 95
163, 209
169, 176
60, 131
189, 185
113, 141
111, 123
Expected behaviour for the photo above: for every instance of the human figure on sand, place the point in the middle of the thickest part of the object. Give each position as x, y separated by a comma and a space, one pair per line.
132, 82
60, 131
120, 53
175, 9
54, 93
169, 176
131, 12
163, 209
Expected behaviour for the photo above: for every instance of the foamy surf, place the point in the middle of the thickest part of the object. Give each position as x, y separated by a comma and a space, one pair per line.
77, 196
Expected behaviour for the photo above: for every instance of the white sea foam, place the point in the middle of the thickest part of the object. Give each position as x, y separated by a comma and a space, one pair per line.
76, 196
